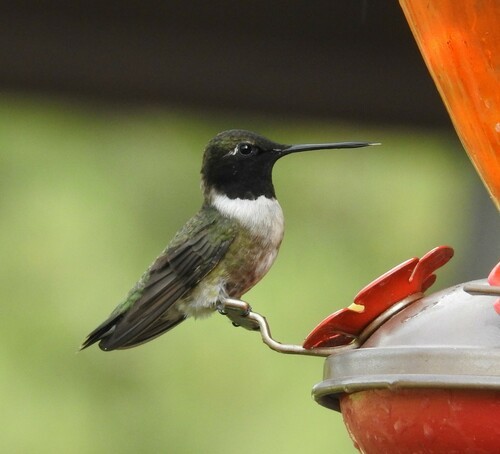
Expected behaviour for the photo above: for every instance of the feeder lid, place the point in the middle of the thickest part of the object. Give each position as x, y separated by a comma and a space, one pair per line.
449, 318
447, 339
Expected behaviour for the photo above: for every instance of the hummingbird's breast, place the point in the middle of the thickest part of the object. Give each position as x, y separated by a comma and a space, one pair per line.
260, 232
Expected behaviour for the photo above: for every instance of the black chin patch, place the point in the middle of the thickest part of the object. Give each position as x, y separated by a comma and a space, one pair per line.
242, 178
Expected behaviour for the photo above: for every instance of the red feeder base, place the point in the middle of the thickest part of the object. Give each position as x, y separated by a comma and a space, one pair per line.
420, 420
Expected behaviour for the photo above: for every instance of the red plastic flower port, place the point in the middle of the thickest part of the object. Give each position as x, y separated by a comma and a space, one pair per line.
494, 279
412, 276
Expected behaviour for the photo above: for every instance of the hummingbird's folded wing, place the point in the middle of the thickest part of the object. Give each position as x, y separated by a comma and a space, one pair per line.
145, 314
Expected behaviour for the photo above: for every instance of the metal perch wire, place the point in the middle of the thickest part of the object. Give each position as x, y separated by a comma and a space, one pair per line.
241, 314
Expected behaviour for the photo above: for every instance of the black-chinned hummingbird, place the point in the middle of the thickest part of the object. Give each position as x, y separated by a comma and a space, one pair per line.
223, 251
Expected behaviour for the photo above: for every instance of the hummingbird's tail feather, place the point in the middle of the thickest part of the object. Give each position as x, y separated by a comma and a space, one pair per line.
104, 334
102, 331
152, 333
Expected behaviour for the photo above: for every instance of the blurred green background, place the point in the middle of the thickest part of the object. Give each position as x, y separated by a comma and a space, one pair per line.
90, 194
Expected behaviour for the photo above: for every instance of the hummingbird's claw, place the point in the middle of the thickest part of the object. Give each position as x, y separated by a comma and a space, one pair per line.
237, 311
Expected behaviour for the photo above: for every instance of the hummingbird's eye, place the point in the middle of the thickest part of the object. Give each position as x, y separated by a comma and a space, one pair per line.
246, 149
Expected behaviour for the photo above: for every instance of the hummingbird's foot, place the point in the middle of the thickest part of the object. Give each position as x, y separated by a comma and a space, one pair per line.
237, 311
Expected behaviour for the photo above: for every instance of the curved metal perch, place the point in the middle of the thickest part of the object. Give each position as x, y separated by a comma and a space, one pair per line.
241, 314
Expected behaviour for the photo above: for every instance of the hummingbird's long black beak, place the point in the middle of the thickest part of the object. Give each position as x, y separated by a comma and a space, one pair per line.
324, 146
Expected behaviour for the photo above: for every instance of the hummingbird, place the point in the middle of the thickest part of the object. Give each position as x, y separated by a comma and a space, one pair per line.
221, 252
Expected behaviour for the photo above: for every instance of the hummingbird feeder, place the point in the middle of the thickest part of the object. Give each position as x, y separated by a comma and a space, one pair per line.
409, 372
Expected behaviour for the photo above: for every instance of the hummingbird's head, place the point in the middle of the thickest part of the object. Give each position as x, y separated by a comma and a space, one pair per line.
239, 163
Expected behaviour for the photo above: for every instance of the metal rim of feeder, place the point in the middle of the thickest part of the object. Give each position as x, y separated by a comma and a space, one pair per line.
424, 367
